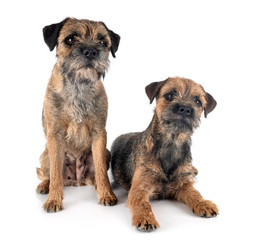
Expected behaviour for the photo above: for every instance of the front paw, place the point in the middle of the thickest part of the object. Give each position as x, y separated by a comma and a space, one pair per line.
52, 205
108, 200
206, 208
145, 222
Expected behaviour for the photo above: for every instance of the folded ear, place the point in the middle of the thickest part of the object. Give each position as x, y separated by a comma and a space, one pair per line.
115, 40
211, 104
51, 33
153, 89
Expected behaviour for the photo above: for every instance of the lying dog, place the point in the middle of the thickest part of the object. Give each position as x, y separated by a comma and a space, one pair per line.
157, 162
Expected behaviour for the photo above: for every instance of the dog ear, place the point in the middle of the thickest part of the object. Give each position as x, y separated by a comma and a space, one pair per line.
211, 104
51, 33
115, 40
153, 89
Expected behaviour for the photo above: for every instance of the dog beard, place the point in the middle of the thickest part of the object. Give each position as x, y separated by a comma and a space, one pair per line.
177, 124
77, 68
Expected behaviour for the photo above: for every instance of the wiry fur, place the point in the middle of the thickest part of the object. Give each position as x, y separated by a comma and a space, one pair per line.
75, 112
157, 162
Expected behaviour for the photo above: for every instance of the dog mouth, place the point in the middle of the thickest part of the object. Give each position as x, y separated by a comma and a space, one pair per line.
179, 125
77, 69
78, 62
86, 66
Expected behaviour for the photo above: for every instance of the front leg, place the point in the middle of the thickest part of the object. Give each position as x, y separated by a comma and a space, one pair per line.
138, 202
103, 187
192, 198
56, 158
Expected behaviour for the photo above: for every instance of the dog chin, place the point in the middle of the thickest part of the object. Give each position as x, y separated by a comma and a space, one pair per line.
79, 72
89, 73
95, 69
76, 68
178, 126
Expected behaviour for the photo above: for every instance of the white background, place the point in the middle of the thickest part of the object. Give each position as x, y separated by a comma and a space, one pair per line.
211, 42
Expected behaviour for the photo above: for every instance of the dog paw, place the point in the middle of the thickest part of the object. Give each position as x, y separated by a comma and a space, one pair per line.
145, 223
53, 206
43, 187
109, 200
206, 208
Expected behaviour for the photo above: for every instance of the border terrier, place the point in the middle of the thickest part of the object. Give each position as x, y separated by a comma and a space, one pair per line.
157, 163
75, 111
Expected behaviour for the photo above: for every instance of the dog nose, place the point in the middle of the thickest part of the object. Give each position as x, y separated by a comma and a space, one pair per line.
90, 53
184, 111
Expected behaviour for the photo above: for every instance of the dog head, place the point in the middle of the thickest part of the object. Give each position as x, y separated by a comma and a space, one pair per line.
82, 47
180, 103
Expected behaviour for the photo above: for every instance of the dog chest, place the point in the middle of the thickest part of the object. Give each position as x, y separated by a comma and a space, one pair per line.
81, 101
171, 155
78, 136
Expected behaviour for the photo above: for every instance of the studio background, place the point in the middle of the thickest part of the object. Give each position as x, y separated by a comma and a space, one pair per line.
210, 42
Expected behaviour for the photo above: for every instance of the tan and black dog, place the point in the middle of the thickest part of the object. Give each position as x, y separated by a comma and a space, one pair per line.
75, 111
157, 163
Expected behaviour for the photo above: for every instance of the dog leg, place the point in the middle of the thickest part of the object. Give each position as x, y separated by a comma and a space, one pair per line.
103, 187
192, 198
43, 173
138, 202
56, 156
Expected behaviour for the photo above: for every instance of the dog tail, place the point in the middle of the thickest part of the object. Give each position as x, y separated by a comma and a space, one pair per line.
40, 174
195, 171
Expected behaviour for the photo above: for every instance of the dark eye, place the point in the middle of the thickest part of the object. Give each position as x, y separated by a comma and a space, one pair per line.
102, 40
169, 96
198, 102
70, 40
103, 43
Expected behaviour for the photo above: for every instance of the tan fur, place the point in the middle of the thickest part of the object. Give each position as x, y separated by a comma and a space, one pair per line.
76, 152
157, 163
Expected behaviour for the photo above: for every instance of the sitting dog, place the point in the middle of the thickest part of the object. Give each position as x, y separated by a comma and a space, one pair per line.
157, 163
75, 111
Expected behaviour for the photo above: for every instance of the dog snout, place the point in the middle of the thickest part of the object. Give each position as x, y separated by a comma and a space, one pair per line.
90, 53
183, 110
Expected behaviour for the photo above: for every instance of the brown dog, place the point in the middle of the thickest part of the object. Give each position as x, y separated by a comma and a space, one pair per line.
75, 111
157, 163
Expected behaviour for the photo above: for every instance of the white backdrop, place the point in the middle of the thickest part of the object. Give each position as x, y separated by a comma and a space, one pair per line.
211, 42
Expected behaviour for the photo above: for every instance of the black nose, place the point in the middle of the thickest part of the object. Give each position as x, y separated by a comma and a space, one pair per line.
90, 53
184, 111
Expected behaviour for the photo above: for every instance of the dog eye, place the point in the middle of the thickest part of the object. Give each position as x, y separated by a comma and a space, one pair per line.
169, 96
104, 43
198, 102
102, 40
70, 40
